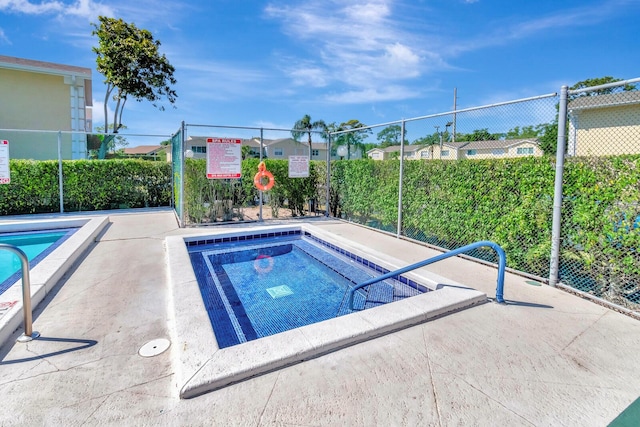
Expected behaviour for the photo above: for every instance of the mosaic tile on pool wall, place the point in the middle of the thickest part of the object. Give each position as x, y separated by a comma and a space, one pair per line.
246, 276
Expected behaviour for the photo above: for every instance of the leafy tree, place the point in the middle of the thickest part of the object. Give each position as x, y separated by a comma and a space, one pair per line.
355, 137
129, 59
247, 153
597, 82
115, 143
524, 132
549, 137
433, 139
305, 126
478, 135
390, 135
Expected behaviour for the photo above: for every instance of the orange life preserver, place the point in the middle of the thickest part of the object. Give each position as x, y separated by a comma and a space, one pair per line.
263, 173
258, 264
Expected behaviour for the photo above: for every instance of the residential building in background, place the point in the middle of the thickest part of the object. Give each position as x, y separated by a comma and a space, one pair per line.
37, 95
498, 149
272, 148
604, 125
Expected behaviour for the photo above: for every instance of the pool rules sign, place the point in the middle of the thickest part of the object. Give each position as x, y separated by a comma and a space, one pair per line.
224, 158
5, 177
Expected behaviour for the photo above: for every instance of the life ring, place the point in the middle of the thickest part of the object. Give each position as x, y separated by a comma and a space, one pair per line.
258, 264
263, 173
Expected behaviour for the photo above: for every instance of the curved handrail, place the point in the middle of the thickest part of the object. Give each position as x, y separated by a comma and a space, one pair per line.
29, 333
502, 264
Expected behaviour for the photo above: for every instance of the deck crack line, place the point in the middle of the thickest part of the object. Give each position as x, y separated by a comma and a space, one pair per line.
84, 422
433, 384
494, 400
583, 332
104, 397
268, 399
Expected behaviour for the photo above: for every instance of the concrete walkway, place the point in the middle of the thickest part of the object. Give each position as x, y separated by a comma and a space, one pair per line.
548, 358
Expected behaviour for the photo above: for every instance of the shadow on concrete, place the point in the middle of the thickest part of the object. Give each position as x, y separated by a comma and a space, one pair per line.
527, 304
84, 344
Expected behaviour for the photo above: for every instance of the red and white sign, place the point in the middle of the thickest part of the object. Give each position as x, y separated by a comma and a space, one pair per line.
298, 166
5, 175
224, 158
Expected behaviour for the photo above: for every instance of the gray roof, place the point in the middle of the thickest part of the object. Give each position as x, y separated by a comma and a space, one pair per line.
603, 101
43, 67
499, 143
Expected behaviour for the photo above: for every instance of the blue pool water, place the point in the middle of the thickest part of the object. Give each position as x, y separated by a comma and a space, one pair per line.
261, 285
35, 244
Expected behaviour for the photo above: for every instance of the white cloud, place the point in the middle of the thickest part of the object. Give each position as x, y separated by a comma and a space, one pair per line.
374, 94
81, 8
3, 37
362, 45
97, 113
563, 19
309, 76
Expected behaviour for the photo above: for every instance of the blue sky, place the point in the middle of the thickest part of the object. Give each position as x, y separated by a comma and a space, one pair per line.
266, 64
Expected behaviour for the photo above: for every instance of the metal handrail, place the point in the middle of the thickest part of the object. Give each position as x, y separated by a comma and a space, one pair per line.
29, 334
502, 264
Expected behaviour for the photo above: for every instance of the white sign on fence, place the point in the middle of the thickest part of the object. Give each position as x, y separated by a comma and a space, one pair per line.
5, 176
224, 158
298, 167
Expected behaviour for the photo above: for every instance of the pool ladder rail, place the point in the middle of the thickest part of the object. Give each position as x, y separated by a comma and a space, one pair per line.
29, 334
502, 264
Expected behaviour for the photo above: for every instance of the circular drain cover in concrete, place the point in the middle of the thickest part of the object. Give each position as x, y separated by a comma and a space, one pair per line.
154, 348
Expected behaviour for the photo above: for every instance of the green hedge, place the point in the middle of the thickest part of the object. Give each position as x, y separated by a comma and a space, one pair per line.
88, 185
509, 201
210, 200
446, 203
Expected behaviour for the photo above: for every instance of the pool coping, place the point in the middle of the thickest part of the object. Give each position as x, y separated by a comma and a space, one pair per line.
46, 274
202, 367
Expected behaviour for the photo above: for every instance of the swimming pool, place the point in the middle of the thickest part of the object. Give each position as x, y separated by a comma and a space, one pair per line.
46, 269
202, 365
35, 244
263, 285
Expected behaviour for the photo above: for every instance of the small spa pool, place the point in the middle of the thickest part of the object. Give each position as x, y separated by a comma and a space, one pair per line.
235, 316
261, 284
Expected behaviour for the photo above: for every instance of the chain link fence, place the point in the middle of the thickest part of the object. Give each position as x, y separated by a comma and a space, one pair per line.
600, 234
298, 168
489, 173
49, 172
569, 216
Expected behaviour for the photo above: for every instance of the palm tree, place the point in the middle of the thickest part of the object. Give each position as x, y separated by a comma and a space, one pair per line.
354, 137
306, 126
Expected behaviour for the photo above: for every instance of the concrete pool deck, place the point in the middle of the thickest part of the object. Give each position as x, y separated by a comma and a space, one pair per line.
545, 358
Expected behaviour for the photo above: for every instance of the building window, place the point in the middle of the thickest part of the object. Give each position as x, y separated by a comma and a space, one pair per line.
277, 151
524, 150
375, 155
498, 151
472, 152
444, 153
315, 153
199, 148
424, 154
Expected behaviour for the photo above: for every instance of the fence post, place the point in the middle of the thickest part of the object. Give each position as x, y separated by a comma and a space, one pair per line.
182, 163
556, 230
260, 192
327, 195
60, 172
399, 229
